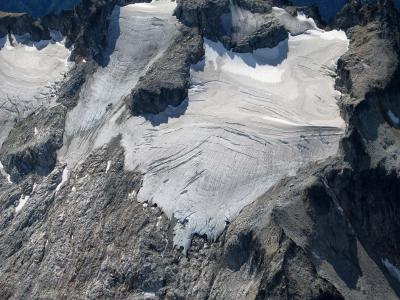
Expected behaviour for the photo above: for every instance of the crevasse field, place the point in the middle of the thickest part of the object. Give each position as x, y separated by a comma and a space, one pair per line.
249, 120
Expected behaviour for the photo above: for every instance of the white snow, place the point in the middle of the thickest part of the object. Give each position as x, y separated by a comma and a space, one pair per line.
4, 173
64, 179
158, 221
137, 35
148, 295
395, 272
28, 71
35, 131
108, 166
250, 118
21, 203
395, 119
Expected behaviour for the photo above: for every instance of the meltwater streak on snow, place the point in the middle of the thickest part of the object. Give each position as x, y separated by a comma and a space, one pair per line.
250, 119
138, 33
28, 71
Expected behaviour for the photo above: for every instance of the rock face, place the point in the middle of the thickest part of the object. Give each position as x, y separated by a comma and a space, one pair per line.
31, 145
168, 79
85, 27
325, 233
219, 20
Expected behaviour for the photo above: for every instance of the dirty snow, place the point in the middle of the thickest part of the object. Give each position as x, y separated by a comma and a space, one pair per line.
250, 118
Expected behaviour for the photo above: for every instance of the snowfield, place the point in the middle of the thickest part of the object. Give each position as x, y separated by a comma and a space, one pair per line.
250, 118
28, 73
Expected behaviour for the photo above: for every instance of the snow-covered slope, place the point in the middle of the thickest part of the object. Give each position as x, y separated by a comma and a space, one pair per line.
28, 73
249, 120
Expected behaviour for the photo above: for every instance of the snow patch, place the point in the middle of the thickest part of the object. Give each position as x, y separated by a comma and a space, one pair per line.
149, 296
35, 131
4, 173
108, 166
21, 203
64, 179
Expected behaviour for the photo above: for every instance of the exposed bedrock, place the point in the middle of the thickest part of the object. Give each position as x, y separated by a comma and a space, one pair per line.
85, 26
267, 35
168, 79
221, 20
32, 143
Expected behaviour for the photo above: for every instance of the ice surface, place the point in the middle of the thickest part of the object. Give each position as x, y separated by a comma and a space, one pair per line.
249, 120
28, 72
395, 272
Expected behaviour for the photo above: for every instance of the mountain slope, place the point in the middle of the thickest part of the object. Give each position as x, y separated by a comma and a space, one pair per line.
100, 186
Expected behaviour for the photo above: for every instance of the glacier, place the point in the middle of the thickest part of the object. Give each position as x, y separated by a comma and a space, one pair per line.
250, 118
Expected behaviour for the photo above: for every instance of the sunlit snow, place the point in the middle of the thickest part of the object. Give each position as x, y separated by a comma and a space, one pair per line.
21, 203
395, 119
28, 72
64, 179
250, 118
4, 173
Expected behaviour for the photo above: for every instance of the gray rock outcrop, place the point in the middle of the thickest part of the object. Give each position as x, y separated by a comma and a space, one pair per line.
168, 80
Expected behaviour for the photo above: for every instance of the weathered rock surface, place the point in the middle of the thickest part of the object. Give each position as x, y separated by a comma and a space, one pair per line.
85, 27
168, 79
31, 145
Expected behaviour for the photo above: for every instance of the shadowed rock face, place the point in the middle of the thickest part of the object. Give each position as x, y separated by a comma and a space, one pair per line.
31, 145
168, 79
321, 234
